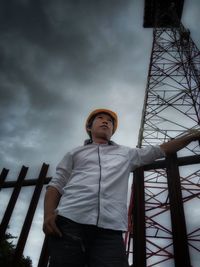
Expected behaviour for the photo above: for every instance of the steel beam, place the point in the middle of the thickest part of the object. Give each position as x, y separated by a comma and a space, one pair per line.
139, 240
3, 176
180, 243
29, 216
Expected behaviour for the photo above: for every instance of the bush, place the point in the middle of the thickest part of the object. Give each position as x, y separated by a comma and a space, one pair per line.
7, 251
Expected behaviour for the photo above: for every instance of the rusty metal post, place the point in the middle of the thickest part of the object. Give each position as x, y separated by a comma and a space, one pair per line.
3, 176
12, 202
29, 216
180, 243
44, 255
139, 242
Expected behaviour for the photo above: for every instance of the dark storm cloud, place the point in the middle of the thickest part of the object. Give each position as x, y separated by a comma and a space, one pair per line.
82, 33
54, 56
58, 58
85, 37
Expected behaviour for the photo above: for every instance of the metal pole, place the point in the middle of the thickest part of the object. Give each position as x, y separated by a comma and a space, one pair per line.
44, 255
3, 176
29, 216
139, 242
181, 250
12, 202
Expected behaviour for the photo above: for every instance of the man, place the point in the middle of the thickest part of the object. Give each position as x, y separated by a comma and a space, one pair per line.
85, 207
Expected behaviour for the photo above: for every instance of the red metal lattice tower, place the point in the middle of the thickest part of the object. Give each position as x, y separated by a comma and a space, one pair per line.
166, 231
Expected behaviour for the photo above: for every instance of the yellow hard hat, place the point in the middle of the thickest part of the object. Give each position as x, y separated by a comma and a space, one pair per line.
102, 110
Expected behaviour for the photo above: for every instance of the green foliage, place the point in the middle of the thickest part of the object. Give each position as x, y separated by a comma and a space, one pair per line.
7, 250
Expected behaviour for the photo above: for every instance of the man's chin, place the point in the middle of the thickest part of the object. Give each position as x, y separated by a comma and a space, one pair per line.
104, 136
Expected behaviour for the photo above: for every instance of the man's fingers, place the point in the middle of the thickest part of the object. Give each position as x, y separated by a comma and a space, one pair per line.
195, 134
56, 229
47, 228
50, 227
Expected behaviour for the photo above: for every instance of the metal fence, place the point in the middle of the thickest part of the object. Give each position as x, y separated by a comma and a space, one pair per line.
135, 237
17, 186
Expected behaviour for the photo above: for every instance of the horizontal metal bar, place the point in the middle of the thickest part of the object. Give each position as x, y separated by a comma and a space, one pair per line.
29, 182
182, 161
159, 164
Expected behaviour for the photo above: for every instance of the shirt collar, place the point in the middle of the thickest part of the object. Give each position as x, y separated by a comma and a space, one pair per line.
89, 142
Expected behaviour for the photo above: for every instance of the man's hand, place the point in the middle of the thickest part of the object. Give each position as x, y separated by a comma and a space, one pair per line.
49, 225
195, 134
176, 144
51, 200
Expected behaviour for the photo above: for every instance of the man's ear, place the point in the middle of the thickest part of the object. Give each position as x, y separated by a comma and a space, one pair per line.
89, 129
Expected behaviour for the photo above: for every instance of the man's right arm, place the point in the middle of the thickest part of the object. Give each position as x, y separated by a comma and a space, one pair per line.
51, 200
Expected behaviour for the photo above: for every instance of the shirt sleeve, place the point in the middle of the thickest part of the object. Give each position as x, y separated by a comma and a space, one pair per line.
63, 172
143, 156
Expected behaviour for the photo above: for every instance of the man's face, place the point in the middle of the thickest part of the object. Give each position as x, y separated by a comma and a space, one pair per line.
102, 126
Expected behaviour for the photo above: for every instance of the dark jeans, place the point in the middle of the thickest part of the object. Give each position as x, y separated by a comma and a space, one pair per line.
86, 245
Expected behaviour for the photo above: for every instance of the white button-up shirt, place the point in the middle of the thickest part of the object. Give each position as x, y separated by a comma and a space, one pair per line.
93, 182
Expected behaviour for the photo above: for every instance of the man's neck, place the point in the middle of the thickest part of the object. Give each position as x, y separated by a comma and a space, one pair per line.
100, 141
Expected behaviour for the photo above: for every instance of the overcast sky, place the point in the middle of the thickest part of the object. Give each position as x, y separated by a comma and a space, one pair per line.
60, 59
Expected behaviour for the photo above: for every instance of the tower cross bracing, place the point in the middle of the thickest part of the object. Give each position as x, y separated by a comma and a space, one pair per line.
171, 198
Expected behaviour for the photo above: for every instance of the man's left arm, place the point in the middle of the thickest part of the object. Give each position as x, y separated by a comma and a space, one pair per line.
177, 144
